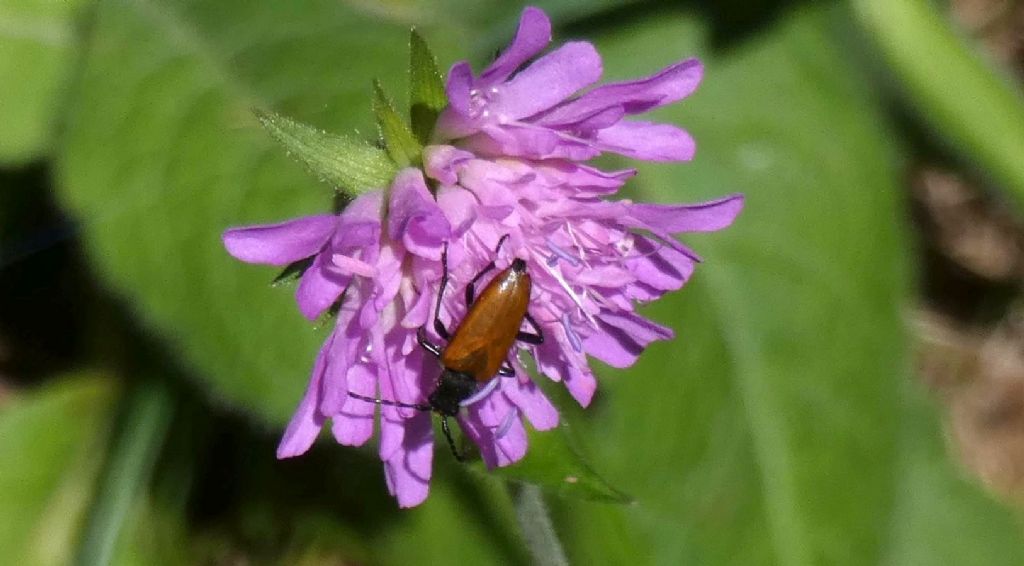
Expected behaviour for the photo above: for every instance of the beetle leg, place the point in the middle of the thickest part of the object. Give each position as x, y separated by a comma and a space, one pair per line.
536, 337
421, 337
451, 442
439, 326
506, 369
471, 287
441, 330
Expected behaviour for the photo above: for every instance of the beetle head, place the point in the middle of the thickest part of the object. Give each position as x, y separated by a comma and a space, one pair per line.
453, 387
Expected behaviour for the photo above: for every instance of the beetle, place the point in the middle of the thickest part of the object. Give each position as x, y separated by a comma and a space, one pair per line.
477, 350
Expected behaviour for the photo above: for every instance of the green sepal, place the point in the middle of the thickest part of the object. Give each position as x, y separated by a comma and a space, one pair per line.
327, 318
293, 271
350, 165
426, 88
398, 140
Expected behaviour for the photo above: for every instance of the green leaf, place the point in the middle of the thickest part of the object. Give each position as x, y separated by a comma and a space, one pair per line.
51, 443
152, 535
940, 516
161, 154
398, 138
426, 88
37, 51
134, 447
769, 431
742, 437
961, 95
349, 165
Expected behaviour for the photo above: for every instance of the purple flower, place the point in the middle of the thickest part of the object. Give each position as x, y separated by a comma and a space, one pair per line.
535, 112
505, 167
388, 268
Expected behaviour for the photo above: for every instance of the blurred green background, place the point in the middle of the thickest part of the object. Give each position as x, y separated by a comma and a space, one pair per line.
847, 385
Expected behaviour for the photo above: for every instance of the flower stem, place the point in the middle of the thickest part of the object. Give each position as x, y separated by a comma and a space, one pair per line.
137, 438
963, 96
536, 526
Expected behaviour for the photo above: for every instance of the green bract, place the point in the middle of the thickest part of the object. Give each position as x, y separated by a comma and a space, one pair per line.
350, 165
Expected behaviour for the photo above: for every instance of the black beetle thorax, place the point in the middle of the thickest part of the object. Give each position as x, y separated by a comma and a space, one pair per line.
453, 387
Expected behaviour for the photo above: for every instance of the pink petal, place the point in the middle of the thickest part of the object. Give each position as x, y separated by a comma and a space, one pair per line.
353, 425
529, 141
702, 217
667, 240
664, 87
512, 444
385, 286
492, 410
459, 206
457, 120
546, 82
491, 192
305, 424
597, 121
581, 384
584, 179
414, 217
347, 345
364, 209
623, 337
533, 35
458, 87
441, 162
280, 244
658, 265
532, 402
609, 276
400, 376
647, 141
408, 471
420, 313
392, 431
482, 420
643, 292
352, 266
394, 427
356, 236
558, 360
319, 287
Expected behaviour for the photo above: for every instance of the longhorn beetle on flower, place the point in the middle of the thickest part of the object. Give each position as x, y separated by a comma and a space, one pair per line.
476, 352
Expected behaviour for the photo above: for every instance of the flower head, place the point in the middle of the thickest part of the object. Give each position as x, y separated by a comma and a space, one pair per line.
504, 181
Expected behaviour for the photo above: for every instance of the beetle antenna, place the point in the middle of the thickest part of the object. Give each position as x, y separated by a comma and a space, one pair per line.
501, 242
451, 442
417, 406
